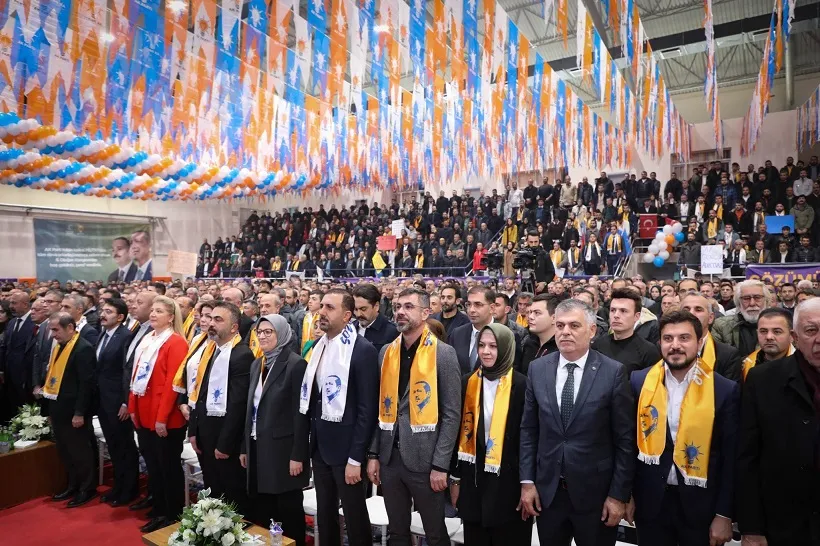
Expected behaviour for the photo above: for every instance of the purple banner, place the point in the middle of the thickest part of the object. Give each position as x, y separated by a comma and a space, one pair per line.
781, 273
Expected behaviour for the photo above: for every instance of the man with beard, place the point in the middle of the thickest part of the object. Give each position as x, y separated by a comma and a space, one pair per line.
684, 479
450, 317
778, 469
740, 330
419, 417
724, 359
774, 335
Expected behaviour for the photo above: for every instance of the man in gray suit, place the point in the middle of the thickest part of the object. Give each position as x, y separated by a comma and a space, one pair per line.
577, 437
42, 346
412, 465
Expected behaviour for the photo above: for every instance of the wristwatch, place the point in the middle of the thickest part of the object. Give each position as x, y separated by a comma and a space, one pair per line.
372, 456
453, 481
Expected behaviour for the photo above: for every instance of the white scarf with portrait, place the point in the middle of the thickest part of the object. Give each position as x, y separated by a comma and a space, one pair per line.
335, 356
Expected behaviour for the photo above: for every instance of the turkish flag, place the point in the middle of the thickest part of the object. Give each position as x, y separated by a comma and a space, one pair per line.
648, 226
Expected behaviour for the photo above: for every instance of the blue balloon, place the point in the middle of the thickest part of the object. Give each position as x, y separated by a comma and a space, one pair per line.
658, 261
680, 236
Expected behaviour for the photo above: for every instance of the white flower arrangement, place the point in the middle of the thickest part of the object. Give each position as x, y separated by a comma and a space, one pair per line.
210, 522
29, 425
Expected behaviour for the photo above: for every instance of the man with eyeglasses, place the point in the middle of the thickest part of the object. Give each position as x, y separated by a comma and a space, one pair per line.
419, 418
740, 330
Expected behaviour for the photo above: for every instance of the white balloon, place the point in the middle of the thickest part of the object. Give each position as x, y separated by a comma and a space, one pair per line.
664, 254
648, 257
653, 248
667, 229
677, 227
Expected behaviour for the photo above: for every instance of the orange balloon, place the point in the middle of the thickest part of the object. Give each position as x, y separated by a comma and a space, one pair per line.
669, 249
669, 239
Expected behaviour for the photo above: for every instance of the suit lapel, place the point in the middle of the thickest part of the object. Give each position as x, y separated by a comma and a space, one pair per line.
588, 377
552, 370
278, 368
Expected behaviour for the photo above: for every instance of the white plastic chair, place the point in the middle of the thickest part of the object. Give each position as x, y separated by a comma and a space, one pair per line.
417, 526
311, 507
191, 470
378, 515
458, 536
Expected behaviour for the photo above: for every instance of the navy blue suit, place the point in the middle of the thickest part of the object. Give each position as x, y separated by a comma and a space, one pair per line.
381, 332
332, 444
16, 358
685, 520
119, 435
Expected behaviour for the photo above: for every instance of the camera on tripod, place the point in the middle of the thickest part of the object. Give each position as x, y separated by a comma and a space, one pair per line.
526, 258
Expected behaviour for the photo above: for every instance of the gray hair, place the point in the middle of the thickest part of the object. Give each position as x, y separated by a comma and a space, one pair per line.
811, 304
567, 306
77, 301
752, 283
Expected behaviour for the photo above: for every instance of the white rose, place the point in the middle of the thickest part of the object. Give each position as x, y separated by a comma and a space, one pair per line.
188, 535
228, 539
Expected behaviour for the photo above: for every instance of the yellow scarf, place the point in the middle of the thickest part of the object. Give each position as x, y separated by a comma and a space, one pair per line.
419, 262
750, 361
697, 415
699, 210
188, 327
422, 389
760, 257
469, 422
576, 255
179, 379
522, 321
56, 368
711, 228
719, 211
613, 243
253, 344
276, 266
625, 218
296, 265
707, 352
556, 256
307, 328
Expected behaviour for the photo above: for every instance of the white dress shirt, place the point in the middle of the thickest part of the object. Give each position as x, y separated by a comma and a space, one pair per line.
562, 375
490, 387
675, 391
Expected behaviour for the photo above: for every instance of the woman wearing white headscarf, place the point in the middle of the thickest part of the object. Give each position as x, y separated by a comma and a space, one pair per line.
275, 447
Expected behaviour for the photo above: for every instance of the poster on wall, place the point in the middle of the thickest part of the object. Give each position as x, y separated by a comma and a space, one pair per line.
111, 252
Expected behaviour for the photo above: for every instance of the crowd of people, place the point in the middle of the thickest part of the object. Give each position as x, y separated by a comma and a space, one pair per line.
451, 236
684, 407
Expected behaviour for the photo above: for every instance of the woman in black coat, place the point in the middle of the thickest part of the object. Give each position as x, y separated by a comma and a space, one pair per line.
275, 445
488, 490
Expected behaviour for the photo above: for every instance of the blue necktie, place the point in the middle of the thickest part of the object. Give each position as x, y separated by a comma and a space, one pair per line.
568, 394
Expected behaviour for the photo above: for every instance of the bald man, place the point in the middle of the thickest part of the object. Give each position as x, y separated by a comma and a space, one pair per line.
16, 355
236, 297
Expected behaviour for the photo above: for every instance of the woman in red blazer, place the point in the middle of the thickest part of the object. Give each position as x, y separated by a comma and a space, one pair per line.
152, 404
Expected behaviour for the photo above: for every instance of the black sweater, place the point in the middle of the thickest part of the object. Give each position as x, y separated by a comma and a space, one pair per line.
635, 353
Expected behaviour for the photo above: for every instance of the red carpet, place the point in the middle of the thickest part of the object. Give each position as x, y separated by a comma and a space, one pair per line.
42, 522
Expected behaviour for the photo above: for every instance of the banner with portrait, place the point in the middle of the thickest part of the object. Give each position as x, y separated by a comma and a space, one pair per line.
108, 251
783, 273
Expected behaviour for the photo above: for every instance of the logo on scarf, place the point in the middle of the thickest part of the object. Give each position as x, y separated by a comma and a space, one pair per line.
304, 391
217, 394
144, 374
421, 394
333, 386
346, 334
649, 420
388, 404
53, 381
691, 452
490, 445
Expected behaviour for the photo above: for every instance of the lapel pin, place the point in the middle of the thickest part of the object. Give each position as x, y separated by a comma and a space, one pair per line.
594, 368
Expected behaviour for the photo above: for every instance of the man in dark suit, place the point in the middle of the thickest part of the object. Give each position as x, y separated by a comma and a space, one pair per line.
92, 314
74, 305
370, 323
216, 424
339, 448
69, 388
114, 420
235, 296
140, 311
578, 416
464, 339
16, 354
42, 344
778, 470
125, 267
728, 360
450, 317
675, 502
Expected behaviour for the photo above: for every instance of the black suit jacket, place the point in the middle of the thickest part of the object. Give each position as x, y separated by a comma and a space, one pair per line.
77, 386
224, 433
728, 361
17, 353
282, 432
245, 325
381, 332
699, 504
460, 339
115, 275
777, 477
488, 499
459, 320
349, 438
596, 453
90, 334
110, 369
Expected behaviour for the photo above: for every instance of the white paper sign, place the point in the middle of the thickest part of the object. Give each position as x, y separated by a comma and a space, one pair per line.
396, 227
711, 260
